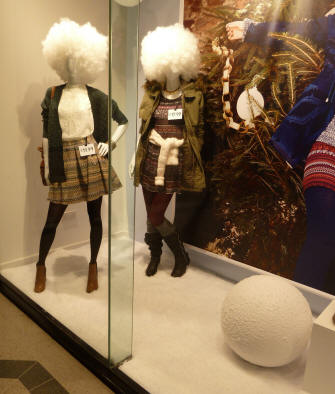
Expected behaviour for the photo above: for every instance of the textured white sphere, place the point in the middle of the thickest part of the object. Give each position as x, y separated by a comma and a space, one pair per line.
266, 321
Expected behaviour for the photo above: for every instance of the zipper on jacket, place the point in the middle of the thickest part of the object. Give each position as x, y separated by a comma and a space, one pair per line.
331, 93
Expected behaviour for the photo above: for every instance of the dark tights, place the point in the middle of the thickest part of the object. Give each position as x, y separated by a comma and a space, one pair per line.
55, 214
318, 252
156, 205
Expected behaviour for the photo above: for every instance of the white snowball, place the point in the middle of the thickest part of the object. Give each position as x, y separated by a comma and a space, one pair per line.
266, 321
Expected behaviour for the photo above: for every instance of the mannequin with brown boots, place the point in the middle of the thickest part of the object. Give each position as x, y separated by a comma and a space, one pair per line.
75, 136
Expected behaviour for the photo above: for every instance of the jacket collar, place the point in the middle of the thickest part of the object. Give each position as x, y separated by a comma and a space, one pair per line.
59, 91
188, 88
155, 89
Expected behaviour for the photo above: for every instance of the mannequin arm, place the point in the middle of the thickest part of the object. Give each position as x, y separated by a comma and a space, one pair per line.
121, 119
45, 144
131, 167
103, 147
258, 33
121, 129
314, 29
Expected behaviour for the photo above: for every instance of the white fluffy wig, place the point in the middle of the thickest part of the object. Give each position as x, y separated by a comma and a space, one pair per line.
76, 53
170, 50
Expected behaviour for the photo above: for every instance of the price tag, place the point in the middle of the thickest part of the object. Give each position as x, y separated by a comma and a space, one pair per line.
86, 150
175, 114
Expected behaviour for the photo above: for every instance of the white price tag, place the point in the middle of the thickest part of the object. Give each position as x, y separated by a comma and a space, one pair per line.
86, 150
174, 114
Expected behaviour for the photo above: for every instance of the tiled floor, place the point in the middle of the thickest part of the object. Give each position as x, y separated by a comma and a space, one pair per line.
32, 362
65, 296
31, 375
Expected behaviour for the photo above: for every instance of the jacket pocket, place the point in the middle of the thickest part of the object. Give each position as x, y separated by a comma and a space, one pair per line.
145, 111
307, 109
192, 108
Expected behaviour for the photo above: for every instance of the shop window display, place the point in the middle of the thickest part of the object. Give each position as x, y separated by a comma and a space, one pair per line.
64, 68
208, 103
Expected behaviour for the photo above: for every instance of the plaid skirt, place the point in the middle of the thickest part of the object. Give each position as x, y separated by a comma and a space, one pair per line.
86, 177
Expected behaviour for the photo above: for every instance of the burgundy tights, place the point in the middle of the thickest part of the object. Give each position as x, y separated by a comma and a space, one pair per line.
156, 205
55, 214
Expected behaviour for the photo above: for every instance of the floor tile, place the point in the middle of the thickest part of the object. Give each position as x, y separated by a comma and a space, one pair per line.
12, 386
52, 386
14, 368
22, 339
35, 376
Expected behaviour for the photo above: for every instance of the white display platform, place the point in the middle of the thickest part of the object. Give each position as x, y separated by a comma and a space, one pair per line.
319, 376
65, 297
178, 343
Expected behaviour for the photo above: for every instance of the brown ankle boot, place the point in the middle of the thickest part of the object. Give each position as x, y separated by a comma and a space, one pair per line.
40, 278
92, 280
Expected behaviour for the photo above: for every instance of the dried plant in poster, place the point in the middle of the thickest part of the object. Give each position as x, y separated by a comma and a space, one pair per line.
257, 199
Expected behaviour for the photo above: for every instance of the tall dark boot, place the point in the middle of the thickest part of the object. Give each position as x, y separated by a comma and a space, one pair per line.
182, 259
173, 241
154, 241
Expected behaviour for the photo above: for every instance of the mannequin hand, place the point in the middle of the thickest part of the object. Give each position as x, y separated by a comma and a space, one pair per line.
103, 148
45, 149
131, 168
235, 30
46, 175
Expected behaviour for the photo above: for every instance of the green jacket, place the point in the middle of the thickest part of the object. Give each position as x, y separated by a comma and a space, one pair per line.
193, 177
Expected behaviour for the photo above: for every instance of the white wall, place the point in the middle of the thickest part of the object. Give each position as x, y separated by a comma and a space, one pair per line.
25, 78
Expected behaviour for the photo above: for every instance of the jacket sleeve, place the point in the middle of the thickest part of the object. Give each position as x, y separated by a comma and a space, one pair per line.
117, 114
45, 112
314, 29
102, 110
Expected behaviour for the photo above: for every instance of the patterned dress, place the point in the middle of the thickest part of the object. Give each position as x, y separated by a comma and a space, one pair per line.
320, 163
166, 129
86, 177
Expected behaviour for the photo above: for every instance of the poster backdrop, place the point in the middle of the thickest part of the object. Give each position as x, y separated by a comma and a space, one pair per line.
253, 210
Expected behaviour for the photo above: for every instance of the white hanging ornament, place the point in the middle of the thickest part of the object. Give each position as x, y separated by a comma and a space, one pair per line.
128, 3
250, 104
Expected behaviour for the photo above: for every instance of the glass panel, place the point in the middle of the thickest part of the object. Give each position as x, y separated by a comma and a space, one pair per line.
123, 92
24, 205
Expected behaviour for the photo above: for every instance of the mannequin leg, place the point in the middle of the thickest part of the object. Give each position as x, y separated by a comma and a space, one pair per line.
152, 238
318, 252
157, 209
55, 214
168, 231
94, 214
173, 241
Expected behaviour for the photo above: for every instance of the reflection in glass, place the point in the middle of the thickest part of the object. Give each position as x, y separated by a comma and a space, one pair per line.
123, 91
